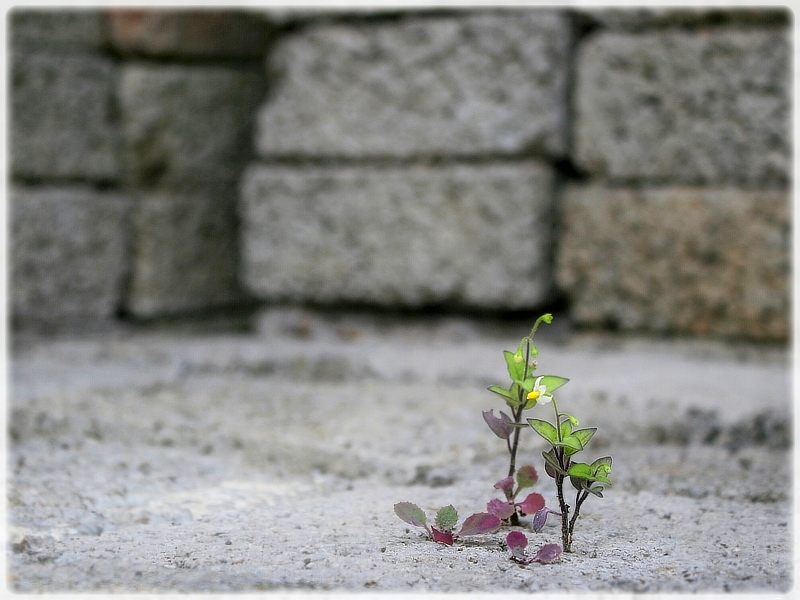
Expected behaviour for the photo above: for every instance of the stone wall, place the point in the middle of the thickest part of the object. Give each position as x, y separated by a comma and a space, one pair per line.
136, 126
634, 162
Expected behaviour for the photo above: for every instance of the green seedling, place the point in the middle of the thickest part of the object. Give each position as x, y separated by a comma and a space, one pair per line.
525, 392
565, 438
446, 519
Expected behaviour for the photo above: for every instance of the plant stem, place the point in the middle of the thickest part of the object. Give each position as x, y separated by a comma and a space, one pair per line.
579, 498
565, 531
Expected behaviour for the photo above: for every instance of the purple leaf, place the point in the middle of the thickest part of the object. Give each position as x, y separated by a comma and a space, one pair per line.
531, 504
442, 537
500, 509
480, 523
507, 485
411, 514
548, 553
540, 518
516, 540
502, 427
526, 477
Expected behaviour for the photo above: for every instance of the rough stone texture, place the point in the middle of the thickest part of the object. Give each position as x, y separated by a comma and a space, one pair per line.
474, 83
185, 251
201, 463
68, 253
187, 123
704, 107
687, 260
77, 29
62, 121
187, 33
469, 235
187, 133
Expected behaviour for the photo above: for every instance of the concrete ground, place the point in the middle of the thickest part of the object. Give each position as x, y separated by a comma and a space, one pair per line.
170, 460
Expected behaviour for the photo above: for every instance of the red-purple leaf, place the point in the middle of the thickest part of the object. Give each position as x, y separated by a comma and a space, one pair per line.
480, 523
500, 509
502, 427
526, 477
533, 503
410, 513
507, 485
548, 553
516, 540
442, 537
540, 518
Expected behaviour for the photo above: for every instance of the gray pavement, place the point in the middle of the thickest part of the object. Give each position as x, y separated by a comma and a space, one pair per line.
164, 459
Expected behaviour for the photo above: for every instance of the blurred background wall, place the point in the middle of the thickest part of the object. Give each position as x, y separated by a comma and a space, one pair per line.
633, 165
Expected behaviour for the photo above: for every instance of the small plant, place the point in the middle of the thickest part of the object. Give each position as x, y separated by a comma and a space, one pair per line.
445, 522
525, 393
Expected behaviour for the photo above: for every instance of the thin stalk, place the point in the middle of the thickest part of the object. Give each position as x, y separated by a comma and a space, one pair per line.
565, 534
563, 461
517, 412
579, 498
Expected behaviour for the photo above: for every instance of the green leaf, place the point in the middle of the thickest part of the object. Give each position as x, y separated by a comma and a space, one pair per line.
570, 442
502, 392
545, 429
526, 385
601, 468
596, 490
516, 370
605, 461
566, 428
410, 513
581, 470
584, 435
579, 483
551, 465
514, 400
446, 518
601, 478
552, 382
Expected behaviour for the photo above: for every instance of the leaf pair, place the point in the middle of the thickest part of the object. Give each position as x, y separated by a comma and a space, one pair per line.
446, 519
505, 509
564, 437
518, 541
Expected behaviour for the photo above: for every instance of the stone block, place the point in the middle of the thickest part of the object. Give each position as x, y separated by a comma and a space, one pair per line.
185, 254
638, 18
187, 123
709, 262
465, 235
69, 253
62, 121
460, 85
55, 28
170, 33
706, 107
